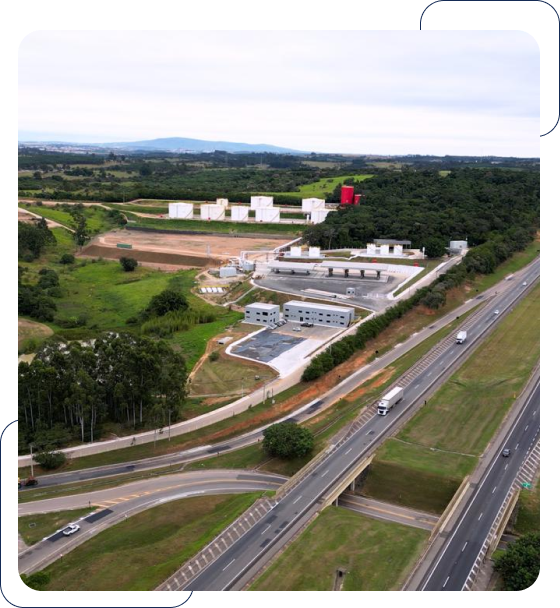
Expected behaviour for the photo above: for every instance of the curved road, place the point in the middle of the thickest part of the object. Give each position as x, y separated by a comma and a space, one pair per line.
305, 412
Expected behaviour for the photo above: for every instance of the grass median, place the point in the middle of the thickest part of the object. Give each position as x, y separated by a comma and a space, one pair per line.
33, 528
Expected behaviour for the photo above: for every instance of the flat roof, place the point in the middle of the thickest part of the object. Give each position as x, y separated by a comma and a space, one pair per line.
320, 306
391, 242
263, 306
292, 265
355, 265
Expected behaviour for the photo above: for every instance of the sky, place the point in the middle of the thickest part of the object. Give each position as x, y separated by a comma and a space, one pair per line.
355, 92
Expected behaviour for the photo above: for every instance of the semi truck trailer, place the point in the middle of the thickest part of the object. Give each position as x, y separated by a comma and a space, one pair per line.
461, 337
389, 400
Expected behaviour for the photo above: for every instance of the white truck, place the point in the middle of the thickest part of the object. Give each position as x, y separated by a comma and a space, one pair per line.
461, 337
389, 400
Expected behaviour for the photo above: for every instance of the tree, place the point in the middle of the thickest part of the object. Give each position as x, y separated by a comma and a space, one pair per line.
37, 580
67, 258
50, 459
519, 565
287, 440
166, 301
128, 264
435, 248
32, 239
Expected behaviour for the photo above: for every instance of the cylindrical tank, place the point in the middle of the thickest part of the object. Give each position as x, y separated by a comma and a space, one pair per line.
347, 195
212, 212
357, 198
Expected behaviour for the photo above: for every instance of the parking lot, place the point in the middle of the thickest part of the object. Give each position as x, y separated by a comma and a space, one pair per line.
284, 348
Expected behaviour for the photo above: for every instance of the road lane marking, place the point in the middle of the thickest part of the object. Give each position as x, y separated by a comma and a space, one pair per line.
494, 489
446, 580
480, 517
526, 428
348, 451
516, 446
325, 473
230, 563
505, 468
464, 546
266, 529
298, 498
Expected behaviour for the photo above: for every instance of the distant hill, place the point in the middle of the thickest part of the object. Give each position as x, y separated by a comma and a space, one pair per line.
186, 144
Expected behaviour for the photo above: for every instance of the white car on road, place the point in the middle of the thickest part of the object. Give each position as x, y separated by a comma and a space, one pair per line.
70, 529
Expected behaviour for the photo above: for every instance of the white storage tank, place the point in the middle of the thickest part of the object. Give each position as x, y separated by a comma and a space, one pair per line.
318, 215
240, 214
182, 211
267, 214
458, 246
314, 252
260, 202
212, 212
309, 204
224, 202
295, 252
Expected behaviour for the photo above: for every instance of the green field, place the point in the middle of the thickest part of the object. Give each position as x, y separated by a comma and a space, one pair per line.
34, 528
141, 552
466, 412
97, 220
529, 514
322, 187
221, 227
376, 555
415, 476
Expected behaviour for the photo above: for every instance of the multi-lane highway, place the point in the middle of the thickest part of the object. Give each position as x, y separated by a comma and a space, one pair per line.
235, 566
305, 412
454, 563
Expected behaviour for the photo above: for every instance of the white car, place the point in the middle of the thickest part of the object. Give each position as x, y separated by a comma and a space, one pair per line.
296, 328
70, 529
496, 312
524, 283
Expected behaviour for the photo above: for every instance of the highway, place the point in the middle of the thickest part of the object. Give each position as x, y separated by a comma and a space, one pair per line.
306, 412
456, 559
115, 504
237, 564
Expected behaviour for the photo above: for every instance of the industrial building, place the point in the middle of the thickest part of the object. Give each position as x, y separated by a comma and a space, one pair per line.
240, 214
270, 215
318, 215
387, 247
320, 314
183, 211
261, 202
310, 204
262, 314
227, 272
212, 212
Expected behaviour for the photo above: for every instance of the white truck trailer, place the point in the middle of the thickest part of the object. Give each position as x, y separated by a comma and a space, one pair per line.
461, 337
389, 400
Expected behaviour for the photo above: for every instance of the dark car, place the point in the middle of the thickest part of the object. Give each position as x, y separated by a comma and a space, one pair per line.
506, 453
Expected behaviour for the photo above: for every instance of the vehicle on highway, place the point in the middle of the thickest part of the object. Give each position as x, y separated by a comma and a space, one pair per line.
70, 529
296, 328
524, 283
390, 400
461, 337
496, 312
27, 483
506, 452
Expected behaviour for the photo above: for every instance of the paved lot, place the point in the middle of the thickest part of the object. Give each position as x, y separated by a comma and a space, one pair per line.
267, 345
370, 293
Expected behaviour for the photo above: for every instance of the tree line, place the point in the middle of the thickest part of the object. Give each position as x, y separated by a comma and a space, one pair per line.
70, 389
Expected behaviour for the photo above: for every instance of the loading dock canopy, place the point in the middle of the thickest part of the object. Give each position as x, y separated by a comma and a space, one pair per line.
355, 266
292, 266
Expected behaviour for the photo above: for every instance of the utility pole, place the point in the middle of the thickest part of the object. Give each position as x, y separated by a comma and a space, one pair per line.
31, 448
169, 424
155, 437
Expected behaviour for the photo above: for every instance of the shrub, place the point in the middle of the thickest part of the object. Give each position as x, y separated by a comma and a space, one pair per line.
168, 300
37, 580
287, 440
214, 355
67, 258
128, 264
50, 460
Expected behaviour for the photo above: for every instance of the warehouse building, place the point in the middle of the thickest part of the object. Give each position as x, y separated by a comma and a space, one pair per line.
262, 314
319, 314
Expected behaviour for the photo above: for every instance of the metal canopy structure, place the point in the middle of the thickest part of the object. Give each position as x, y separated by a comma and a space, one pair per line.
292, 267
361, 267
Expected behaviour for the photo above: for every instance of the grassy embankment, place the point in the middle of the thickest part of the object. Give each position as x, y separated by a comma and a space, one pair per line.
97, 218
424, 465
322, 187
376, 555
141, 552
529, 514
